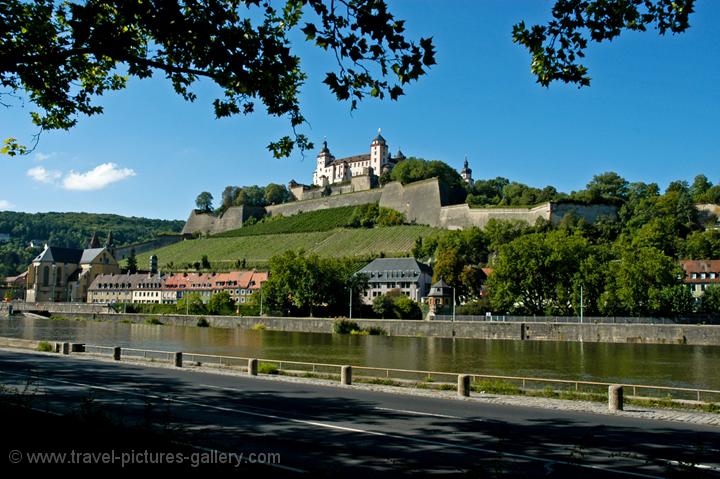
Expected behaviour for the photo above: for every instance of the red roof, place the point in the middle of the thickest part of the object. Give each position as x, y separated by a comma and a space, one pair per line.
710, 268
207, 281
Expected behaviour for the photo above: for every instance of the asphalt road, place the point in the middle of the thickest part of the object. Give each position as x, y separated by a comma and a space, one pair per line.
320, 431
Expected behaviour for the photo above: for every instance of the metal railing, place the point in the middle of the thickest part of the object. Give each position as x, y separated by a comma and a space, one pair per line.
496, 318
422, 378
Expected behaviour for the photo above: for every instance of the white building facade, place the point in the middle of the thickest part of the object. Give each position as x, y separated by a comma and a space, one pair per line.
330, 170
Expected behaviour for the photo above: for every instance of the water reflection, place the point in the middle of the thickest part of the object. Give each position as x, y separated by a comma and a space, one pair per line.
672, 365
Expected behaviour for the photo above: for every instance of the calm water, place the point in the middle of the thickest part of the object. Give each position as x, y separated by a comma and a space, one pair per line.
672, 365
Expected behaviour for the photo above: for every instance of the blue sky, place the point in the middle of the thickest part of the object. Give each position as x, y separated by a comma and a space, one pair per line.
652, 114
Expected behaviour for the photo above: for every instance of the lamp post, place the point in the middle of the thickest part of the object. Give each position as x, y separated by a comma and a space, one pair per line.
261, 301
53, 280
453, 309
350, 317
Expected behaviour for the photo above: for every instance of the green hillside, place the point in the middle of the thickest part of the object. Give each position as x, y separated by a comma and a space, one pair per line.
223, 252
321, 220
70, 230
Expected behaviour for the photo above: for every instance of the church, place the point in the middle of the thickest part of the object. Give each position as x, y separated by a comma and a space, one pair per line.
65, 274
330, 170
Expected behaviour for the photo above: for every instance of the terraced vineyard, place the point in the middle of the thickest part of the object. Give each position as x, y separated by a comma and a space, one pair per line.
257, 249
321, 220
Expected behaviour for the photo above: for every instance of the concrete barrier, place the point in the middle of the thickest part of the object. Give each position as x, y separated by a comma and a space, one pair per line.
178, 359
252, 367
690, 334
117, 352
346, 375
66, 348
615, 398
463, 385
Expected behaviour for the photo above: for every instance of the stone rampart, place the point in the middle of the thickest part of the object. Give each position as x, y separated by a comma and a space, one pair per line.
334, 201
421, 202
232, 219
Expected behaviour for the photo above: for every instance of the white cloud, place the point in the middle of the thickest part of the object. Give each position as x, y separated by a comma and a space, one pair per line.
6, 205
43, 175
39, 156
97, 178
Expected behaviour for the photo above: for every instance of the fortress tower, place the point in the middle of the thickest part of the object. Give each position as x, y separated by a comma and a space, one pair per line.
466, 173
379, 153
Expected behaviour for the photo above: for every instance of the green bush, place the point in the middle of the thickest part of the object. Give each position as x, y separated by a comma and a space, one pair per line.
376, 331
258, 327
203, 323
344, 326
45, 347
268, 368
359, 332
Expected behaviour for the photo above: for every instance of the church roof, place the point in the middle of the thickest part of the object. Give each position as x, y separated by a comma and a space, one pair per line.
351, 159
89, 255
59, 255
379, 138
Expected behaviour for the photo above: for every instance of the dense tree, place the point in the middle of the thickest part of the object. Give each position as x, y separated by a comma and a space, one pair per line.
710, 302
383, 305
394, 304
221, 303
63, 55
131, 264
607, 187
416, 169
538, 273
406, 308
305, 284
558, 46
228, 197
645, 282
501, 192
191, 304
701, 245
276, 194
459, 255
699, 188
203, 202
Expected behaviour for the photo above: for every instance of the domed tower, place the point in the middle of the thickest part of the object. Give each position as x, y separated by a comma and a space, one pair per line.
379, 152
466, 173
324, 159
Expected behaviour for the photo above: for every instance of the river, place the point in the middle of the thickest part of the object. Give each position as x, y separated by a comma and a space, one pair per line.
664, 365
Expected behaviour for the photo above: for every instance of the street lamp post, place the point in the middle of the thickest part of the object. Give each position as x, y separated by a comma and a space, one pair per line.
52, 289
350, 302
261, 301
454, 302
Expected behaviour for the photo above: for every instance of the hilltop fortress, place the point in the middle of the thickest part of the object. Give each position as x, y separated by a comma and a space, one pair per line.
353, 181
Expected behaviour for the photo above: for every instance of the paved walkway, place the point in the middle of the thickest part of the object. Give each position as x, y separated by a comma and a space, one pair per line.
678, 415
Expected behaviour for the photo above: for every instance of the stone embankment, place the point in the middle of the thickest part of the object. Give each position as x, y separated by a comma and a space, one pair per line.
681, 334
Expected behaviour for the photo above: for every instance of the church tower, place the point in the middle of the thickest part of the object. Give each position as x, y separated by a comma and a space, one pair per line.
379, 153
94, 241
466, 173
324, 159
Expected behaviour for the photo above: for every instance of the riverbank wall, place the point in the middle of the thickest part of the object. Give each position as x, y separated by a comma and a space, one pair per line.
704, 335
